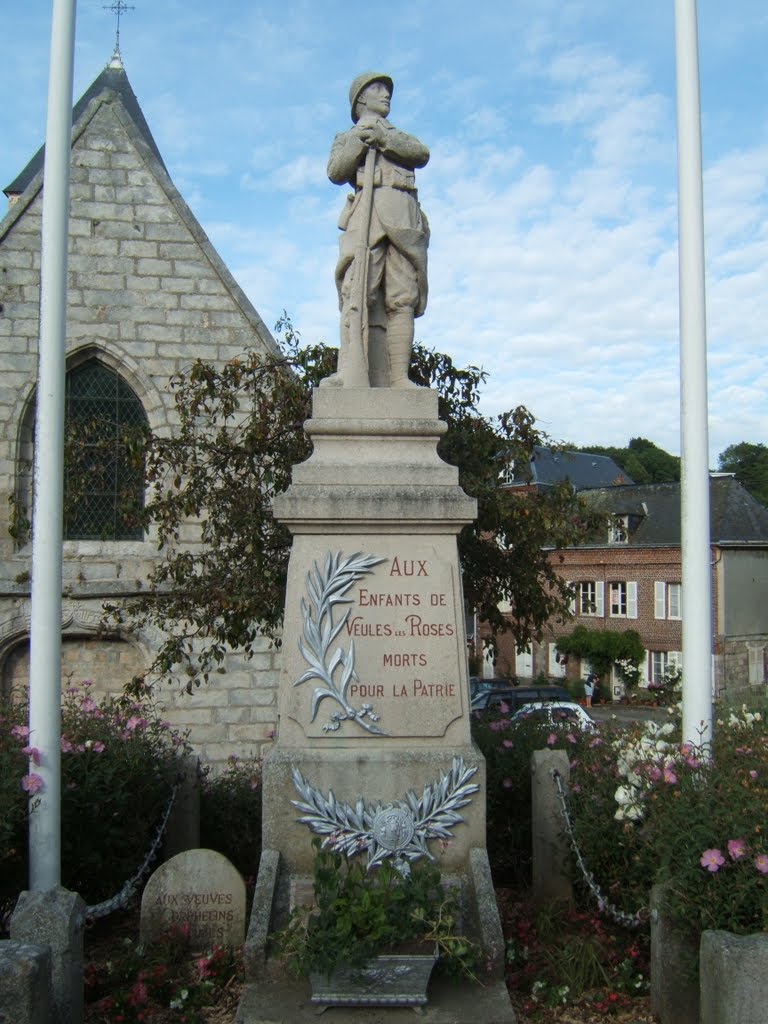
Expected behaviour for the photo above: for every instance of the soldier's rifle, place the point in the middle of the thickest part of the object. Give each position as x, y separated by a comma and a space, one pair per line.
356, 368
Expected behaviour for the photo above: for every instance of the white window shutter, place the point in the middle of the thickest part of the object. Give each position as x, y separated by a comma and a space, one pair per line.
659, 596
600, 598
572, 602
631, 600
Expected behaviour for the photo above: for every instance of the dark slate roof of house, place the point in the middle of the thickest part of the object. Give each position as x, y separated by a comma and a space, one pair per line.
550, 466
654, 512
112, 77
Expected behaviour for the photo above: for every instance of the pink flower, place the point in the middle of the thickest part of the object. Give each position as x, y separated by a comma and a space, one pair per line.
20, 732
713, 860
761, 863
737, 849
139, 993
507, 783
31, 783
753, 774
552, 739
135, 722
95, 745
66, 745
87, 704
669, 776
503, 707
571, 737
32, 752
654, 773
203, 965
508, 744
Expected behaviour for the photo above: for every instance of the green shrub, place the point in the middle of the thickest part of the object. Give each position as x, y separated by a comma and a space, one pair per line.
507, 750
649, 809
118, 763
230, 813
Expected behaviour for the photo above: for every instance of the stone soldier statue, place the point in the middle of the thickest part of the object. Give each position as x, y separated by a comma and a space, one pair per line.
381, 274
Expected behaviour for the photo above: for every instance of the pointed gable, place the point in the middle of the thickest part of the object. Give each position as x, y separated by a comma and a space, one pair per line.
113, 78
144, 276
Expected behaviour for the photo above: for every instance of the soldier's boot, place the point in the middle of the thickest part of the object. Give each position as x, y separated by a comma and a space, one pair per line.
399, 348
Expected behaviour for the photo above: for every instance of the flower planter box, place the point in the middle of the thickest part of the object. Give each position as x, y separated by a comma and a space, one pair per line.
391, 980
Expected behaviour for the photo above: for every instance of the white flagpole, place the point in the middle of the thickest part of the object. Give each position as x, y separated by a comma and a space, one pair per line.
45, 628
695, 524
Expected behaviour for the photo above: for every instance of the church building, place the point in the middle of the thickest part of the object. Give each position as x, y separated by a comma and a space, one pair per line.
147, 295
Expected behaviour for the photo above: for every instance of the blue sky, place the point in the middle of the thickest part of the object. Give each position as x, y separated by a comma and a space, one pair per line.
551, 189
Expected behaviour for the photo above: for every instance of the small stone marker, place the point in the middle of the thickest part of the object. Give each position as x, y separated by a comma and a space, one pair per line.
200, 888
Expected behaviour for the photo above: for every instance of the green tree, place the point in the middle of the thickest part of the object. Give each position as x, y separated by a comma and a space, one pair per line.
642, 460
749, 463
604, 648
240, 432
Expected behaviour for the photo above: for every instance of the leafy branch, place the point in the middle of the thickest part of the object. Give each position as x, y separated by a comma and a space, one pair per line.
327, 589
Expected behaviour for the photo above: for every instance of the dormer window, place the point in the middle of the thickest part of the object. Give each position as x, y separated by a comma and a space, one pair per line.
507, 475
618, 531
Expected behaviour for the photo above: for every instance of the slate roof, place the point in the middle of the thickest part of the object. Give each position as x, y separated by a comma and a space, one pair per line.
112, 77
736, 518
583, 469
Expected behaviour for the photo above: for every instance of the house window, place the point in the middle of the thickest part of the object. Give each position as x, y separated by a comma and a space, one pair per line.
589, 596
623, 600
661, 662
104, 475
618, 531
667, 600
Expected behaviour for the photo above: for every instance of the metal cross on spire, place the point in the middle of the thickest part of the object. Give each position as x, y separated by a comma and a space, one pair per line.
118, 7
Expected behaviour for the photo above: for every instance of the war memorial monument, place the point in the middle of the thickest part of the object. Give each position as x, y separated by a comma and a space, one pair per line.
373, 751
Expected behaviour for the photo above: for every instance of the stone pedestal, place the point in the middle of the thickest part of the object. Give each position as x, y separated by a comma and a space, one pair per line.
374, 696
374, 692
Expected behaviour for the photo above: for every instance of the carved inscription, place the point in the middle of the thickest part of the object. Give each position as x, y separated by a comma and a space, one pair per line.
208, 914
382, 644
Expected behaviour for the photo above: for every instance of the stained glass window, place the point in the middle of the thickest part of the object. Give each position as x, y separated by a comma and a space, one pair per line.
104, 471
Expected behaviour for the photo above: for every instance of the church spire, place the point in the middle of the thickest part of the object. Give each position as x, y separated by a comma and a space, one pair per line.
119, 7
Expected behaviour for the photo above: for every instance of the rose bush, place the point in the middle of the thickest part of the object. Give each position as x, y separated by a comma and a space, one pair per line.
118, 763
649, 809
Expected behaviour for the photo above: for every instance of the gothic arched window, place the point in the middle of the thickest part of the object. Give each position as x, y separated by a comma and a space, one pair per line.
104, 467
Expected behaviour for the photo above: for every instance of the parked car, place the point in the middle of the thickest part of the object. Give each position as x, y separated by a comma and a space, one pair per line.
555, 713
516, 696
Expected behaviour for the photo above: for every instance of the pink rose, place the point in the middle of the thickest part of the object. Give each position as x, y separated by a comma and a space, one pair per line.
31, 783
713, 860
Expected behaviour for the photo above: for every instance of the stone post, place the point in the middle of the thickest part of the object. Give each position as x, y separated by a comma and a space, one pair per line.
733, 978
183, 831
551, 867
674, 989
25, 983
55, 918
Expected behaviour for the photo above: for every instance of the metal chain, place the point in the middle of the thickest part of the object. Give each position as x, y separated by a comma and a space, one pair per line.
120, 900
636, 920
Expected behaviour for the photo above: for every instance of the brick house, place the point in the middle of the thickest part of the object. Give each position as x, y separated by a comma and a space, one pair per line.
147, 295
631, 579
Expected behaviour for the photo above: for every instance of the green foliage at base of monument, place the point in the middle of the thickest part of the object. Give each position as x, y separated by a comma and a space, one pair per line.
360, 914
118, 765
240, 433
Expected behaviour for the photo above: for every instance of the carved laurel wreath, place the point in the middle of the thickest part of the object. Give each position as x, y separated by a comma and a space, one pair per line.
399, 831
327, 588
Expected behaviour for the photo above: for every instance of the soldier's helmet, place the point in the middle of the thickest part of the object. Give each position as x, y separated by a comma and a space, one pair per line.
360, 83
